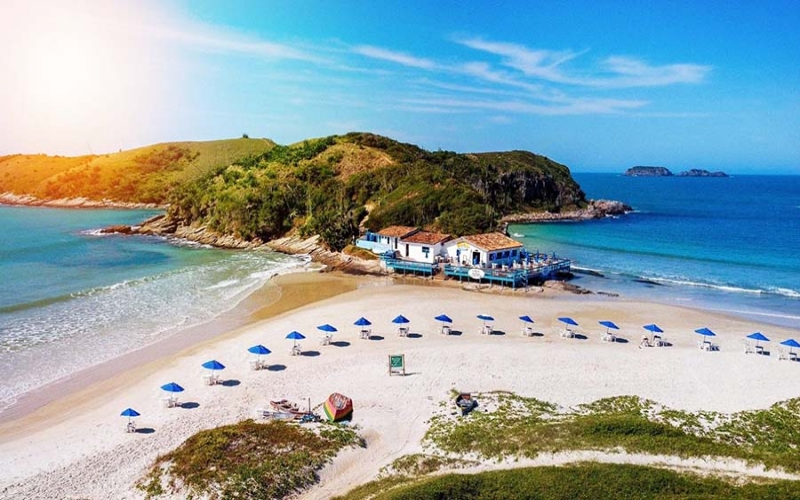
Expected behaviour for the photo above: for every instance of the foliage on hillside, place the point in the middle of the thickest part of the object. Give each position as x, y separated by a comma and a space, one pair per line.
144, 175
323, 186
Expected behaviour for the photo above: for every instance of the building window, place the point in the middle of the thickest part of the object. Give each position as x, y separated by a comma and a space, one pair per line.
426, 251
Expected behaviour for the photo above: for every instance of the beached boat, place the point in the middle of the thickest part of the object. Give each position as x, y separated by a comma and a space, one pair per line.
338, 407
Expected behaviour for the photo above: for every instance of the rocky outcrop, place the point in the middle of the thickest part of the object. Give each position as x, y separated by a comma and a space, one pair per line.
640, 171
597, 209
161, 225
335, 261
32, 201
698, 172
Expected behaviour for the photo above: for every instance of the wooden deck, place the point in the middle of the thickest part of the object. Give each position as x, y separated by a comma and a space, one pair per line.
514, 278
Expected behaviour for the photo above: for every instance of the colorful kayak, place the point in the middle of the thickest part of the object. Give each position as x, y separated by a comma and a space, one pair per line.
338, 407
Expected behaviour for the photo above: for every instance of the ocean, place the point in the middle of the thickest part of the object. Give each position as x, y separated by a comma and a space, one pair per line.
71, 298
723, 244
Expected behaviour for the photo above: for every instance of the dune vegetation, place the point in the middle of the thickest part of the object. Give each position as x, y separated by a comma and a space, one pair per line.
508, 428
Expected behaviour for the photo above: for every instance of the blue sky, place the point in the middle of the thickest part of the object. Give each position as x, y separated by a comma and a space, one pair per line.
599, 86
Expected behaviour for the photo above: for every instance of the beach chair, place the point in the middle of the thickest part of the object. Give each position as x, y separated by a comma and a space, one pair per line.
296, 350
566, 333
527, 331
326, 339
658, 341
131, 427
748, 348
366, 333
255, 364
402, 331
487, 329
444, 330
208, 379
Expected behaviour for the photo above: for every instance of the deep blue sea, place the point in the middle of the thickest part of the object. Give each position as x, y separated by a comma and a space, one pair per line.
70, 298
729, 244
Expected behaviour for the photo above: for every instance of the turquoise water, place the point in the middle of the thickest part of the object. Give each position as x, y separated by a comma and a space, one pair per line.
726, 244
70, 298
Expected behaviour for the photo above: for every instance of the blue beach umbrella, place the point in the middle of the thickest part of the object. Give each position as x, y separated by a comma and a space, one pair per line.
443, 318
609, 325
172, 387
213, 365
705, 332
653, 328
401, 319
327, 328
568, 321
526, 319
258, 350
362, 321
130, 413
295, 336
791, 343
758, 337
485, 317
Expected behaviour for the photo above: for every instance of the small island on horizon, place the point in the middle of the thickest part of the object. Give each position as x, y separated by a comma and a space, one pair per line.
646, 171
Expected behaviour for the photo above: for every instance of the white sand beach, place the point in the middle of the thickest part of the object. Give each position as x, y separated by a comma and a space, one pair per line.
76, 446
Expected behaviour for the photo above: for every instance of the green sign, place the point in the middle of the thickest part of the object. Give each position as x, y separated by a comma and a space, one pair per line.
397, 364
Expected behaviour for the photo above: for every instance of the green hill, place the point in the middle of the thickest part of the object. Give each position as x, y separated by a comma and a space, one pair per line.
138, 175
330, 186
255, 189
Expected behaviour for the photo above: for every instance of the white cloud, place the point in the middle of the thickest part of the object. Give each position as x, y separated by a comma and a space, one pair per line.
621, 71
395, 57
575, 107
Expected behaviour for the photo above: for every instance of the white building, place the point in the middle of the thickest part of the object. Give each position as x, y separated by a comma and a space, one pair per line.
484, 250
423, 246
390, 236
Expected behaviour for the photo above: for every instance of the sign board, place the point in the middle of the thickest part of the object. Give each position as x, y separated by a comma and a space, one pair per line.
476, 274
462, 245
397, 364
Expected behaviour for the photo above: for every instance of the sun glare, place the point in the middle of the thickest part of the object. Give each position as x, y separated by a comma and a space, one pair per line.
82, 73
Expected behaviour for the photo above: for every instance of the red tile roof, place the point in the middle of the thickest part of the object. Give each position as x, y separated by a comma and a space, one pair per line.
398, 231
492, 241
426, 238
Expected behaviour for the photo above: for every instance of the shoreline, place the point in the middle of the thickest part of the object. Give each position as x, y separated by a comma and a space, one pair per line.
76, 445
281, 293
25, 200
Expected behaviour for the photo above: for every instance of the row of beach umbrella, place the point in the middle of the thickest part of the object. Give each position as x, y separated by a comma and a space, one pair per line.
260, 350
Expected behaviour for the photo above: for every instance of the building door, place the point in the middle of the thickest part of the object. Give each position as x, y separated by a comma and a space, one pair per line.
476, 258
406, 249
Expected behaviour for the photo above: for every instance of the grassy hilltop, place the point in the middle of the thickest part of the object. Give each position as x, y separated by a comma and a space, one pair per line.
144, 175
329, 186
255, 189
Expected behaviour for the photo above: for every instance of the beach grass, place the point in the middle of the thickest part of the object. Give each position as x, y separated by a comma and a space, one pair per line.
580, 481
247, 460
512, 426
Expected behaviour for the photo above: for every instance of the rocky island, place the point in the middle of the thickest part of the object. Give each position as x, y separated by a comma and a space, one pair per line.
643, 171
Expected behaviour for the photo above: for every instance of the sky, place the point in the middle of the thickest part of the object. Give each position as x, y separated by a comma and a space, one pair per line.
598, 86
